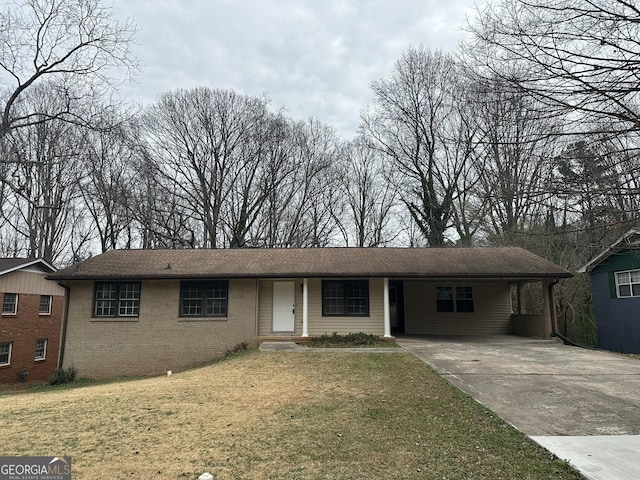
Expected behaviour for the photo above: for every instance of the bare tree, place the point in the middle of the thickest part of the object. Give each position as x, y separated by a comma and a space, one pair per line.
316, 204
206, 144
258, 171
280, 168
5, 152
11, 244
370, 195
41, 180
302, 206
599, 190
575, 64
161, 217
75, 45
514, 158
415, 123
464, 136
105, 180
324, 208
569, 55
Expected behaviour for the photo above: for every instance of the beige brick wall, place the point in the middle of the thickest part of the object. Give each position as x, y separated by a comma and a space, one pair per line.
159, 339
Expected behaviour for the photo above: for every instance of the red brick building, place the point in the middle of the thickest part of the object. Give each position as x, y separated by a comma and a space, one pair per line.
30, 320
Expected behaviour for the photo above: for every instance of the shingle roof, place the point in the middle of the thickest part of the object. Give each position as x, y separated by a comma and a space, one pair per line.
315, 262
630, 240
10, 264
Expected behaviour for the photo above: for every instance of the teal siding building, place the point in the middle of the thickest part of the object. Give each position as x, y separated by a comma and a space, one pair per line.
615, 285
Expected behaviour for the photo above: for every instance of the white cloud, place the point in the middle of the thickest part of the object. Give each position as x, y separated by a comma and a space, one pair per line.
316, 58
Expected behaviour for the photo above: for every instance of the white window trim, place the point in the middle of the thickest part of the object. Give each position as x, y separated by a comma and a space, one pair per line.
15, 305
630, 284
50, 303
10, 351
44, 355
117, 316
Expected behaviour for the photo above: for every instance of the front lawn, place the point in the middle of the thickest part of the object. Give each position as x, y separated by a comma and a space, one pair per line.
275, 415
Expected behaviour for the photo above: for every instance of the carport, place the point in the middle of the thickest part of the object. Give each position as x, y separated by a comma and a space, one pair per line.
476, 306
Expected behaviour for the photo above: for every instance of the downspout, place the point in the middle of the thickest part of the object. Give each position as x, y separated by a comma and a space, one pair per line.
65, 319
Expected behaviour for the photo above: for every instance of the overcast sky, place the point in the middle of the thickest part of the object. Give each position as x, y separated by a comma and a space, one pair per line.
316, 58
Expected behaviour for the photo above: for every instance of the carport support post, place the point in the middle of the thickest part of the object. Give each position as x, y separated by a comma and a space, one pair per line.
305, 307
387, 315
520, 292
547, 295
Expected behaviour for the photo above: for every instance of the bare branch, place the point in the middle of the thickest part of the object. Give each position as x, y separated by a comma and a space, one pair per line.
72, 42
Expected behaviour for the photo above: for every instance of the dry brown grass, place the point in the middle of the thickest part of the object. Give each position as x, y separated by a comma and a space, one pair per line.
275, 415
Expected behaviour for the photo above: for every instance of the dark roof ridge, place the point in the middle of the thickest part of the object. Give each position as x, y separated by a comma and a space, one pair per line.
423, 262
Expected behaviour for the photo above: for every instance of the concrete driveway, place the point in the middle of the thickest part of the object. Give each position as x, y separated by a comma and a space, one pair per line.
583, 405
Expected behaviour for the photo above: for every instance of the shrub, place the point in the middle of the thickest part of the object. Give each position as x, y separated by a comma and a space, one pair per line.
237, 349
63, 375
349, 340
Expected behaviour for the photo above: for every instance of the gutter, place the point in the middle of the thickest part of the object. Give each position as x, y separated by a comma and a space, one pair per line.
301, 275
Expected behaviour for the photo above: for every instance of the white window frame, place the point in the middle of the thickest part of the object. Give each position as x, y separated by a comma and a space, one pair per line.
44, 349
15, 305
124, 300
8, 362
40, 307
632, 279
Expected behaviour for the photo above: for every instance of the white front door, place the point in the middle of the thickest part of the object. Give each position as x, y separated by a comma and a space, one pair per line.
284, 307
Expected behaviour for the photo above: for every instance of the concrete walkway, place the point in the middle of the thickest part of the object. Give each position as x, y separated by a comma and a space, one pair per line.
582, 405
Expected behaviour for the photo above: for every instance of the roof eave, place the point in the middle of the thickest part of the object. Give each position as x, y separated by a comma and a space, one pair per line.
29, 263
610, 250
397, 275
